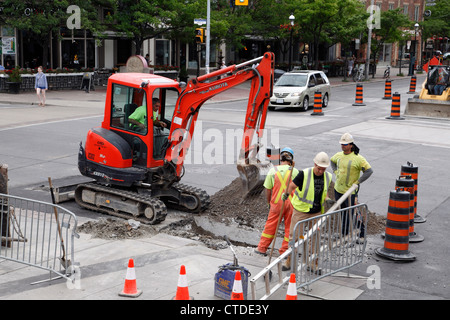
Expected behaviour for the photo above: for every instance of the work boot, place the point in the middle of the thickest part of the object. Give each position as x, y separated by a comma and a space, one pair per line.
261, 253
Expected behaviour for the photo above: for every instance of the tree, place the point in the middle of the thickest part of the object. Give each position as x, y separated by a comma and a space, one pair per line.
392, 26
324, 21
438, 23
140, 20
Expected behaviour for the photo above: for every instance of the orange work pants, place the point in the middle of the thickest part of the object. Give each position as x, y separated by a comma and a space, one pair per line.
269, 232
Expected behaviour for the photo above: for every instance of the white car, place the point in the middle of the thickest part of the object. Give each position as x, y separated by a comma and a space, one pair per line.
296, 89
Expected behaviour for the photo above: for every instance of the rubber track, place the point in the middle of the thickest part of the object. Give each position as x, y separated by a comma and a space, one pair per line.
160, 209
202, 196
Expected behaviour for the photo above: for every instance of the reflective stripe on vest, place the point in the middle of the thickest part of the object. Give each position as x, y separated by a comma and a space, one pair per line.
283, 182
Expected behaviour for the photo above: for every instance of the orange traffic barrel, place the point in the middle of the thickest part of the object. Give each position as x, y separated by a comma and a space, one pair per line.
359, 96
396, 242
412, 85
413, 171
407, 183
317, 104
388, 90
395, 108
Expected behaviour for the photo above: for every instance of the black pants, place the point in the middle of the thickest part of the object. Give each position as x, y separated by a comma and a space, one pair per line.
345, 215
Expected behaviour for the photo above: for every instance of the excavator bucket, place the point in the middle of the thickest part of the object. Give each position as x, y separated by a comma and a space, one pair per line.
252, 176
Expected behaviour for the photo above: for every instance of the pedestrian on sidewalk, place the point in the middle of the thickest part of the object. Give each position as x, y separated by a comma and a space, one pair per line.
276, 184
311, 189
351, 63
347, 165
41, 86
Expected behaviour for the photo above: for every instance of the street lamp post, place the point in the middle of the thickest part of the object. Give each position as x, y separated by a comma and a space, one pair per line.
291, 19
413, 58
416, 27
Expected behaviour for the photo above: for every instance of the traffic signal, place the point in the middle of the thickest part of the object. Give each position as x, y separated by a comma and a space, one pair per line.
199, 35
241, 2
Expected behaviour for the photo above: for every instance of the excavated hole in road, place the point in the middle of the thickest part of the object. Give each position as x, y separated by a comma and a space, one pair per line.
242, 222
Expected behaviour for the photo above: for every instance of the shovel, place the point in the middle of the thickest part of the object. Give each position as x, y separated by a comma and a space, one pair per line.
65, 263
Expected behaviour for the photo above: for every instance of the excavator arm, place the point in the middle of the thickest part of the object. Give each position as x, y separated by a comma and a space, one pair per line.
261, 72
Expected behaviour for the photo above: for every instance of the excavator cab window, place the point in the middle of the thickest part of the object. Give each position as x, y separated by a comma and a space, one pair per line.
129, 109
167, 98
437, 79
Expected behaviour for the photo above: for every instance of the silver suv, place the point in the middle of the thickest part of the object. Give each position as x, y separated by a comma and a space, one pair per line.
296, 89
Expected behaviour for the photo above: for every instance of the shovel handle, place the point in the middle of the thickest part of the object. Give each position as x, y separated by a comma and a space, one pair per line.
227, 240
56, 217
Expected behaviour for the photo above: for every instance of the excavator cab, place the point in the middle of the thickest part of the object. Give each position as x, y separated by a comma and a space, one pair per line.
133, 137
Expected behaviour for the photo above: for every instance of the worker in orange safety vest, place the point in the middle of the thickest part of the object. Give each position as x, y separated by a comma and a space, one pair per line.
276, 184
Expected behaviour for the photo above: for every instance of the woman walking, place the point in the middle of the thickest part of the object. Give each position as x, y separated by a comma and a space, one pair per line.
41, 86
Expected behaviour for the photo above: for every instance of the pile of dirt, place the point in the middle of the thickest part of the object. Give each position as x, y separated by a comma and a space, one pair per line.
252, 212
229, 203
117, 229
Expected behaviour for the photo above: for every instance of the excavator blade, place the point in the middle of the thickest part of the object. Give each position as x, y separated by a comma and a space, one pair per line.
253, 176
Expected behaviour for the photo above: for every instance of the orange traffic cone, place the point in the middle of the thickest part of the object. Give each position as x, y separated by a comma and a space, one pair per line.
237, 293
130, 288
292, 289
182, 289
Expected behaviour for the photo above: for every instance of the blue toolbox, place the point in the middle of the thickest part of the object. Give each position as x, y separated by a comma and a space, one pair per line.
224, 278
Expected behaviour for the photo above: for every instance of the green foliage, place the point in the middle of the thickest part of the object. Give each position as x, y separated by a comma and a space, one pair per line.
15, 76
439, 22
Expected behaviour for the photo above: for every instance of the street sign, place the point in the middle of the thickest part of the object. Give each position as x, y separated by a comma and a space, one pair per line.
199, 21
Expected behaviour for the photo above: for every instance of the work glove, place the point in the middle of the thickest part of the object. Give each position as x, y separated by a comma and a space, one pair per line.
284, 196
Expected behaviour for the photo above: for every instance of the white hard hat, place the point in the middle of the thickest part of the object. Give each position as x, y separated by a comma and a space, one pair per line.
322, 160
346, 138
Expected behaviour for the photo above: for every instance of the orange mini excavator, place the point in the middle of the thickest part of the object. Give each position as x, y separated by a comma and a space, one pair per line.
137, 160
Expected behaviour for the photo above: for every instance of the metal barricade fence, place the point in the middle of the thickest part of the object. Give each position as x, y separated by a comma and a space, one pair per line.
38, 234
322, 239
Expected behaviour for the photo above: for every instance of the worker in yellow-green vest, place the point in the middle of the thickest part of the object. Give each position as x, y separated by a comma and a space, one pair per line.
311, 188
276, 183
348, 165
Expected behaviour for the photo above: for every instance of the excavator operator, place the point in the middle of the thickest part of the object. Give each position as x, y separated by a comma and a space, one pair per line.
139, 116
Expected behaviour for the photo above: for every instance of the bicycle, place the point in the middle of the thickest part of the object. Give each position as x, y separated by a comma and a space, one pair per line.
387, 73
359, 74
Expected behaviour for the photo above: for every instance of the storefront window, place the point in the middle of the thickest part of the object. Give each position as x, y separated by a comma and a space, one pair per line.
77, 51
162, 52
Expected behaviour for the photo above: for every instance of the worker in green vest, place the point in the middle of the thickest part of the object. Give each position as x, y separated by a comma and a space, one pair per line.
311, 188
348, 165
